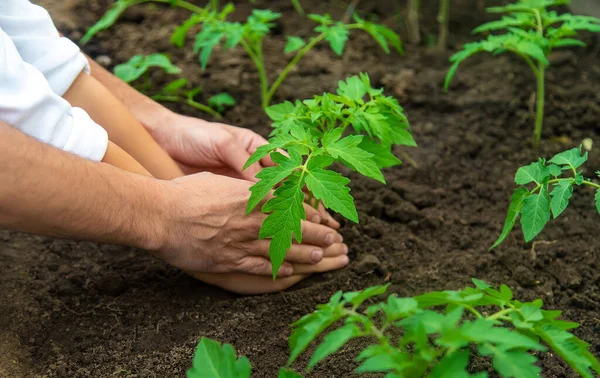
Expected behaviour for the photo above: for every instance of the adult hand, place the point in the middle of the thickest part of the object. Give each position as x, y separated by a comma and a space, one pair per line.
206, 230
201, 146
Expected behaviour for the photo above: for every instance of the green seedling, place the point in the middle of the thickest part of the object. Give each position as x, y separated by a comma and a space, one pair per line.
356, 127
434, 335
532, 32
138, 68
251, 34
549, 194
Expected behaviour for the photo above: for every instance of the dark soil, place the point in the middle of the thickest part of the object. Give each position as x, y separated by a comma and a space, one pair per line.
76, 309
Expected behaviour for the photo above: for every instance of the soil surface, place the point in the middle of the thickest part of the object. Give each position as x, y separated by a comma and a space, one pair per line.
77, 309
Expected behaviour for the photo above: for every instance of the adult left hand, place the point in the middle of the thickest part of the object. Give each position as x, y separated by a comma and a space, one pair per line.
200, 146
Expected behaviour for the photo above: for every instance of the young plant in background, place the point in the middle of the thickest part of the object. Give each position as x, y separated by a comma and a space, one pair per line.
138, 68
532, 32
432, 335
356, 127
550, 193
413, 23
251, 34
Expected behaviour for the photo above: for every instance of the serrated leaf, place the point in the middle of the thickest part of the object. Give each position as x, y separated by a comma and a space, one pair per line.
278, 112
517, 200
535, 172
294, 44
333, 342
560, 197
512, 364
311, 326
353, 87
270, 176
336, 35
331, 188
108, 19
357, 298
213, 360
362, 161
571, 158
382, 154
139, 65
535, 214
565, 345
453, 365
484, 331
178, 36
220, 101
284, 222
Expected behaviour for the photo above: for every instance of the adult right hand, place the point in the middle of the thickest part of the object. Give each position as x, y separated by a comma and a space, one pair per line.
206, 230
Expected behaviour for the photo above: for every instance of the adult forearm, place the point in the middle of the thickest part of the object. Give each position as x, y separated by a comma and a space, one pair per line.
150, 113
47, 191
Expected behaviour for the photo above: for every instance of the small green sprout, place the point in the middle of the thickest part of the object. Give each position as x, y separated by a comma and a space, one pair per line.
550, 193
531, 32
432, 335
138, 67
356, 127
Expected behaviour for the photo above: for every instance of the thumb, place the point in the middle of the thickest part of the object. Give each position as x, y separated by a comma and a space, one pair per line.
236, 156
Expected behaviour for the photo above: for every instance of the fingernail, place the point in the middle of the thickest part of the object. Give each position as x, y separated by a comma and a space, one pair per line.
316, 219
317, 255
345, 249
329, 239
288, 271
341, 239
345, 260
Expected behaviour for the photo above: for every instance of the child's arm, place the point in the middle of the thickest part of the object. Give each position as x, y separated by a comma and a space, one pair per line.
123, 129
115, 156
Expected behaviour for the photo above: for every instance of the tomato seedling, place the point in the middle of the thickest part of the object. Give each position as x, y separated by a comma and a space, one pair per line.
138, 68
356, 127
433, 335
251, 34
532, 32
550, 193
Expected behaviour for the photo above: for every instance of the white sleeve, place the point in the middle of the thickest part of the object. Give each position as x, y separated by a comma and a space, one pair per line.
39, 43
28, 103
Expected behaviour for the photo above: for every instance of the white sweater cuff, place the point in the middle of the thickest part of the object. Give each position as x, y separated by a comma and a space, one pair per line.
87, 139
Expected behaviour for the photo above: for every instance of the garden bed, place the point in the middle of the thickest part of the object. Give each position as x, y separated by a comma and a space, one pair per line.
77, 309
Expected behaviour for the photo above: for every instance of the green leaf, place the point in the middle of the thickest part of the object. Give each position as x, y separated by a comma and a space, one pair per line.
357, 298
139, 65
597, 198
453, 365
269, 177
517, 200
531, 314
278, 112
484, 331
333, 342
174, 86
331, 188
336, 35
571, 158
220, 101
382, 154
284, 222
535, 172
294, 44
178, 36
279, 141
286, 373
567, 346
560, 197
211, 360
512, 364
354, 88
348, 151
535, 214
108, 19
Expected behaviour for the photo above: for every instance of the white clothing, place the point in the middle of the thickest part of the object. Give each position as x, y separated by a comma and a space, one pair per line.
37, 67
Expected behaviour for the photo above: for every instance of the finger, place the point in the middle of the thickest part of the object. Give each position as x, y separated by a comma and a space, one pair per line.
328, 218
246, 284
328, 264
302, 253
260, 266
319, 235
319, 215
235, 156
